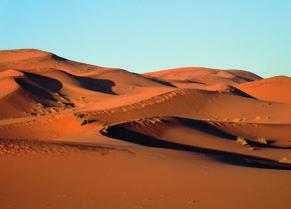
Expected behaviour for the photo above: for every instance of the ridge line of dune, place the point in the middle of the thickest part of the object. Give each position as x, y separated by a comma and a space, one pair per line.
223, 155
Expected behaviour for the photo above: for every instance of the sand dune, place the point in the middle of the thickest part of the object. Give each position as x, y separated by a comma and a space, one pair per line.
51, 82
38, 61
191, 135
199, 76
10, 56
85, 136
272, 89
272, 119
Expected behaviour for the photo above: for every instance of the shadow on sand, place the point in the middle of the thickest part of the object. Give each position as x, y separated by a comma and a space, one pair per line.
122, 133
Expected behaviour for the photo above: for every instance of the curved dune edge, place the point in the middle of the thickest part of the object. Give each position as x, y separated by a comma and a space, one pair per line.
205, 104
274, 89
193, 104
142, 132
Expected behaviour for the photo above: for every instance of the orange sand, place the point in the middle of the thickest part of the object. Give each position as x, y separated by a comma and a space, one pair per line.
178, 138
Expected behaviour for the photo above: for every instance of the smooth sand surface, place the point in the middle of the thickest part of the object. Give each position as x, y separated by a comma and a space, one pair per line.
74, 135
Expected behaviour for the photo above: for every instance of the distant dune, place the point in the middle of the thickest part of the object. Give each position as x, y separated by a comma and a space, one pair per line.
74, 135
271, 89
203, 76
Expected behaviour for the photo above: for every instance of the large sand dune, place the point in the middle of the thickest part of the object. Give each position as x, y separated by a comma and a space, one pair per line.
74, 135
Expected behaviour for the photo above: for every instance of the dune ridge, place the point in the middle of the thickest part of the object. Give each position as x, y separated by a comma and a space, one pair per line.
271, 89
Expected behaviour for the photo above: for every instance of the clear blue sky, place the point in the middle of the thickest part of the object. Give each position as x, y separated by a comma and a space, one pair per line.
147, 35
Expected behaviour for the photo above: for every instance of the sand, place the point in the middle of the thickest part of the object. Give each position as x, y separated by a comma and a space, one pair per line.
74, 135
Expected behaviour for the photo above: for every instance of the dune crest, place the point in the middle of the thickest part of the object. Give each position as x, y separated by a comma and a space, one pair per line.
201, 75
271, 89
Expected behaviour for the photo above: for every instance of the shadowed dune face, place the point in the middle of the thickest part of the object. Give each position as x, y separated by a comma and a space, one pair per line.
183, 135
48, 91
35, 89
156, 132
100, 85
50, 84
92, 84
49, 81
231, 158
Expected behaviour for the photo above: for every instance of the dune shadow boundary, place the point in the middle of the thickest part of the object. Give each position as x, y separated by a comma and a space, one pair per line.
122, 133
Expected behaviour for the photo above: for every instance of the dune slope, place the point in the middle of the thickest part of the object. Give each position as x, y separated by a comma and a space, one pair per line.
197, 76
272, 89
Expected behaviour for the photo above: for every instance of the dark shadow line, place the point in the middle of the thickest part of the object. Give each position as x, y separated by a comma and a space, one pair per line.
121, 133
